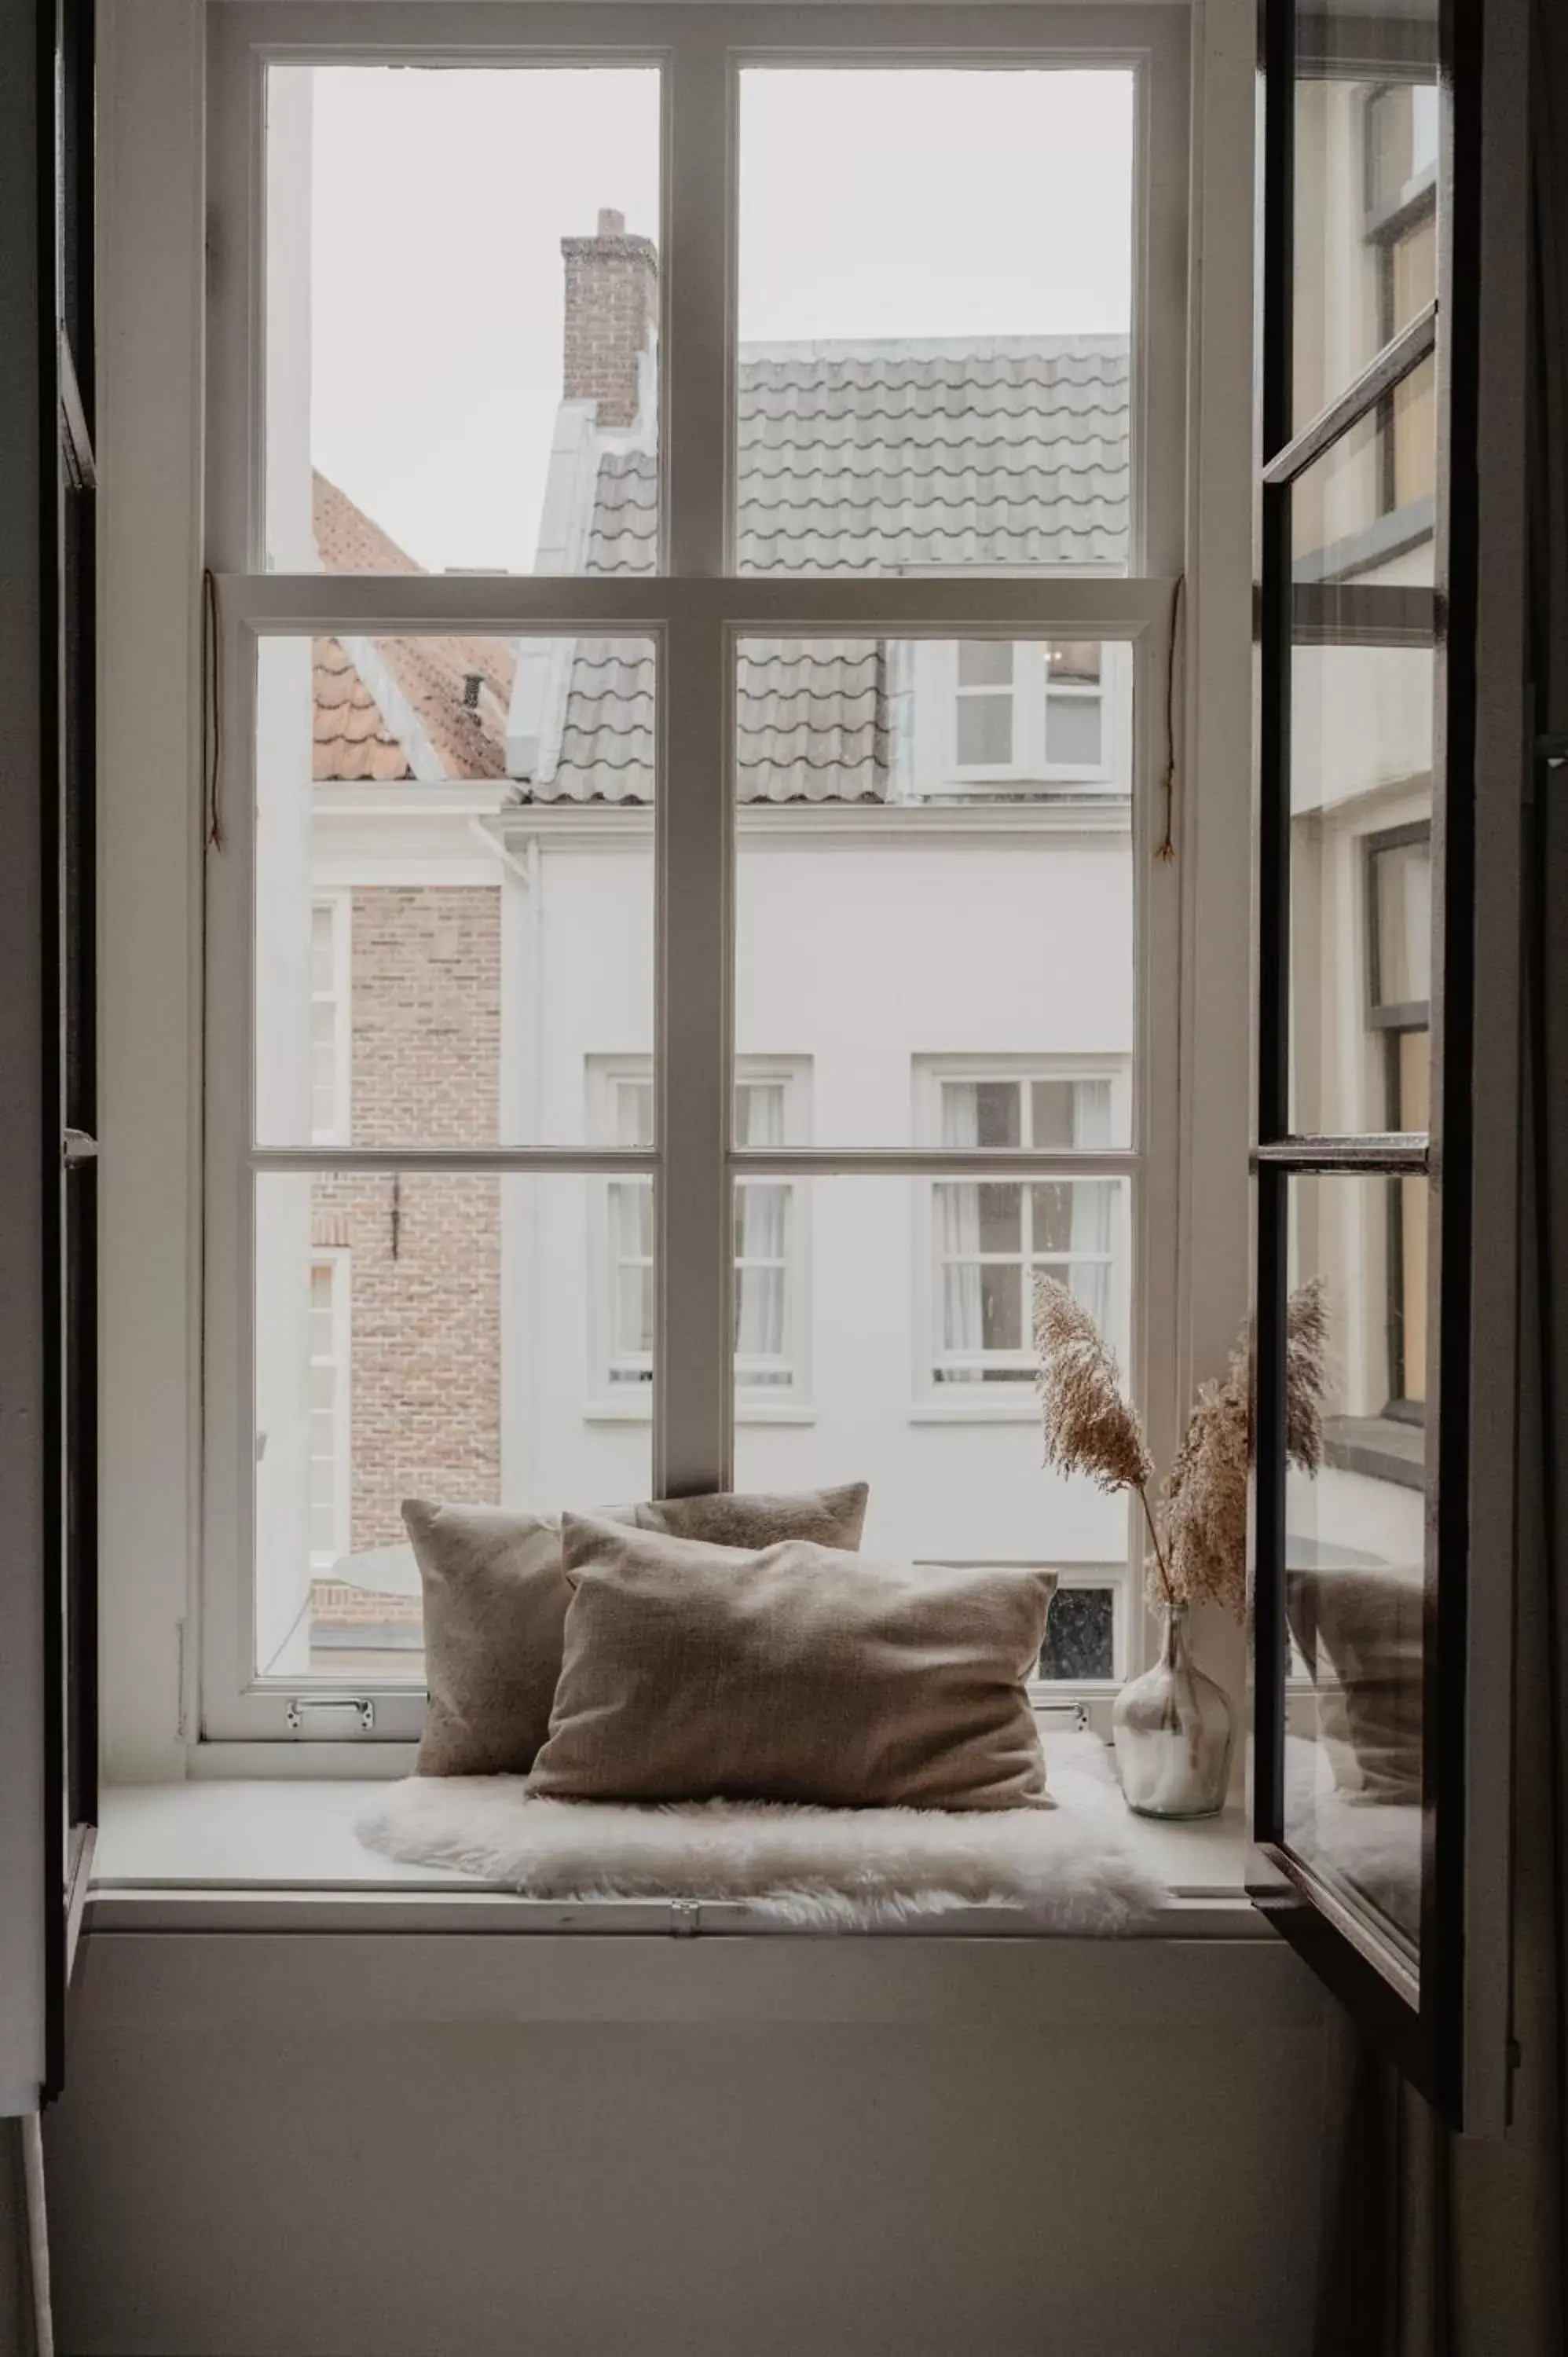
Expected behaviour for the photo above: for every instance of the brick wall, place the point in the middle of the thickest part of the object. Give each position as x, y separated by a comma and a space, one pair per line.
612, 304
425, 1250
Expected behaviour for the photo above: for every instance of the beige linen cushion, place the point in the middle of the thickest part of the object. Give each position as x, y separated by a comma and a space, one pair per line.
694, 1671
1361, 1634
495, 1602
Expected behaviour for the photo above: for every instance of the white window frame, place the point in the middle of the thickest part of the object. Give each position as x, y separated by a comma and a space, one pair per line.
339, 1261
759, 1403
939, 768
339, 907
181, 310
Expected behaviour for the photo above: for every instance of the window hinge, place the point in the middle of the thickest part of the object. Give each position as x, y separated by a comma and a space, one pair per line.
360, 1704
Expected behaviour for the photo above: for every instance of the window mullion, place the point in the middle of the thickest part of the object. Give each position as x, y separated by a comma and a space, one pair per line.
692, 1391
692, 1383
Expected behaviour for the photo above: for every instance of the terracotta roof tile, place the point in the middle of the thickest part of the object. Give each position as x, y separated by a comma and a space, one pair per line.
456, 691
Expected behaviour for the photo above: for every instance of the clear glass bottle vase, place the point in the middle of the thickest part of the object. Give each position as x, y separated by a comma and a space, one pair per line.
1173, 1732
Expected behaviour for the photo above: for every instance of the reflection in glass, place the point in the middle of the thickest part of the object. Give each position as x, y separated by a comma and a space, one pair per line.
913, 916
1366, 153
462, 303
1355, 1555
1363, 679
430, 1335
398, 788
933, 363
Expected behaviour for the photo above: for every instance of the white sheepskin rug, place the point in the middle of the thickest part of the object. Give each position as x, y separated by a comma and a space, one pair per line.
1067, 1868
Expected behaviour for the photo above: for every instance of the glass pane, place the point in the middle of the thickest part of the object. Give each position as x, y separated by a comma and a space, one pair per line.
634, 1311
984, 663
933, 362
1078, 662
1356, 1553
477, 1321
462, 310
954, 1468
1080, 1635
1366, 166
933, 943
1362, 682
984, 730
408, 779
1001, 1307
1401, 923
1073, 733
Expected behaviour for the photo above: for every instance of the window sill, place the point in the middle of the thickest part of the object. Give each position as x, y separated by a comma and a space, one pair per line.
759, 1412
281, 1854
933, 1411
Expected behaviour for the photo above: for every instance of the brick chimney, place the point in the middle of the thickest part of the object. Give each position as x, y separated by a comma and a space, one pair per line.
612, 305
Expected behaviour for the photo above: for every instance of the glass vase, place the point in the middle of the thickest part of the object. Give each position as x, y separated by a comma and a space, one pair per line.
1173, 1733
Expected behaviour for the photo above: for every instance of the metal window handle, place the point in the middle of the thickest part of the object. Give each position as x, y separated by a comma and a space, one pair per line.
76, 1145
364, 1709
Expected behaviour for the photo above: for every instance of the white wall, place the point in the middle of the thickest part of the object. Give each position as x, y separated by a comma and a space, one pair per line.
535, 2146
859, 955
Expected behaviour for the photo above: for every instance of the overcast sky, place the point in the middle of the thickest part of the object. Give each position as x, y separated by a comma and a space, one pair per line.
872, 204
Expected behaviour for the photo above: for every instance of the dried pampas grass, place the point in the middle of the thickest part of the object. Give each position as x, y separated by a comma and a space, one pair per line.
1199, 1534
1089, 1425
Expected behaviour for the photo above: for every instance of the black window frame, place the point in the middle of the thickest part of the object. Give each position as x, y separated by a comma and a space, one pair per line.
68, 1040
1418, 2020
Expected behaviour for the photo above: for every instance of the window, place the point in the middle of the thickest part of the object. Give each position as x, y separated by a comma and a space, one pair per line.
1398, 964
988, 1239
1043, 712
1387, 1116
631, 1242
331, 1033
331, 1455
663, 869
769, 1278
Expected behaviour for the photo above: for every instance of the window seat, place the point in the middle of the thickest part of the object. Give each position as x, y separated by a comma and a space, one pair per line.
270, 1854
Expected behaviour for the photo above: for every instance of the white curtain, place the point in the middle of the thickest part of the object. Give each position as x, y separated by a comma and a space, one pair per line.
958, 1234
762, 1234
1093, 1229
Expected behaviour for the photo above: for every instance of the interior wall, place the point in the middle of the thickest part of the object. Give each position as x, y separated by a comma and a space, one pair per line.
412, 2146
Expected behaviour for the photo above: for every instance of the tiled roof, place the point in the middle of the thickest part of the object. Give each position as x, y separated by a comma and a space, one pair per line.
350, 739
911, 456
810, 724
449, 696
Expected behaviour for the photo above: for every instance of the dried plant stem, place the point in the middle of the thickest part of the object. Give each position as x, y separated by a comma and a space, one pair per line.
1155, 1541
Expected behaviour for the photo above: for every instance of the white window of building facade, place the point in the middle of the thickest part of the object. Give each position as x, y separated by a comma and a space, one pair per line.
988, 1240
771, 1287
1051, 714
331, 1019
331, 1438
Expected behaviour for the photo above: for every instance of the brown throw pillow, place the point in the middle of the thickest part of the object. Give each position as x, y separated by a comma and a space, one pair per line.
1360, 1633
692, 1672
495, 1602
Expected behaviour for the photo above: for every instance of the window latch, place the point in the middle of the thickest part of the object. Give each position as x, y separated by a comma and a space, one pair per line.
361, 1706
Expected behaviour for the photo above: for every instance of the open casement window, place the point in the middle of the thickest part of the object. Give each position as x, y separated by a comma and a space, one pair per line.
49, 1587
1375, 1607
587, 688
70, 1219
